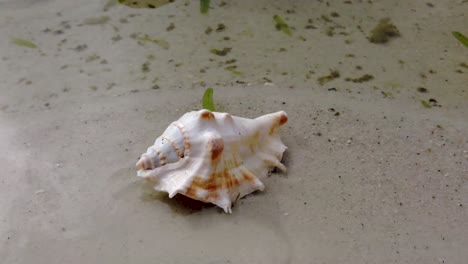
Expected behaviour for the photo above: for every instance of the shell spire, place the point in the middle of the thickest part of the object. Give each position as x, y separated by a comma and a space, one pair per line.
167, 148
214, 157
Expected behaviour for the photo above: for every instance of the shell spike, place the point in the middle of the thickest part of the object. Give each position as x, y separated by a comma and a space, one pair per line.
272, 121
140, 164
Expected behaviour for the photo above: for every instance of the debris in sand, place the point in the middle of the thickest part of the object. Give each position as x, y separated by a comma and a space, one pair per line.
383, 31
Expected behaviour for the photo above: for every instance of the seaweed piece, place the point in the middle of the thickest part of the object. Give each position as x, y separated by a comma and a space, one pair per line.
221, 27
160, 42
145, 3
222, 52
170, 27
434, 102
234, 70
208, 30
383, 31
204, 6
364, 78
116, 38
387, 94
207, 100
281, 25
426, 104
24, 43
230, 61
145, 67
460, 37
326, 18
422, 90
333, 75
92, 57
80, 48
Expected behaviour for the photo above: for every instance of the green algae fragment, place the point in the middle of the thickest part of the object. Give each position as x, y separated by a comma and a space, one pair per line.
145, 3
222, 52
24, 43
383, 31
204, 6
234, 70
363, 78
426, 104
160, 42
207, 100
387, 94
281, 25
333, 75
461, 38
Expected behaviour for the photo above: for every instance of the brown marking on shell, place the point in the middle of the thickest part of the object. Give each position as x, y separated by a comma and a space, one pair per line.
248, 176
187, 144
221, 180
217, 147
279, 121
234, 146
230, 163
228, 117
207, 115
234, 161
192, 193
162, 158
273, 129
215, 181
283, 119
209, 185
252, 142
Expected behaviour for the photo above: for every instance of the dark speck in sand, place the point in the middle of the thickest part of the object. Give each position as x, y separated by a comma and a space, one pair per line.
81, 47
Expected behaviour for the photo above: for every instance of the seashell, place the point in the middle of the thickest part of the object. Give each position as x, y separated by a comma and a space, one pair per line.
214, 157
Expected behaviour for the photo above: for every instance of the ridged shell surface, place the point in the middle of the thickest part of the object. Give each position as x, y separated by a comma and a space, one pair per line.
214, 157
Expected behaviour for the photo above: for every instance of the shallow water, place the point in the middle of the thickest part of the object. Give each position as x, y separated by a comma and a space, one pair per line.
377, 134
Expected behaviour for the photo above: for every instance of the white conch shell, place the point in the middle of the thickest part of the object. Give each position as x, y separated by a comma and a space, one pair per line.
214, 157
